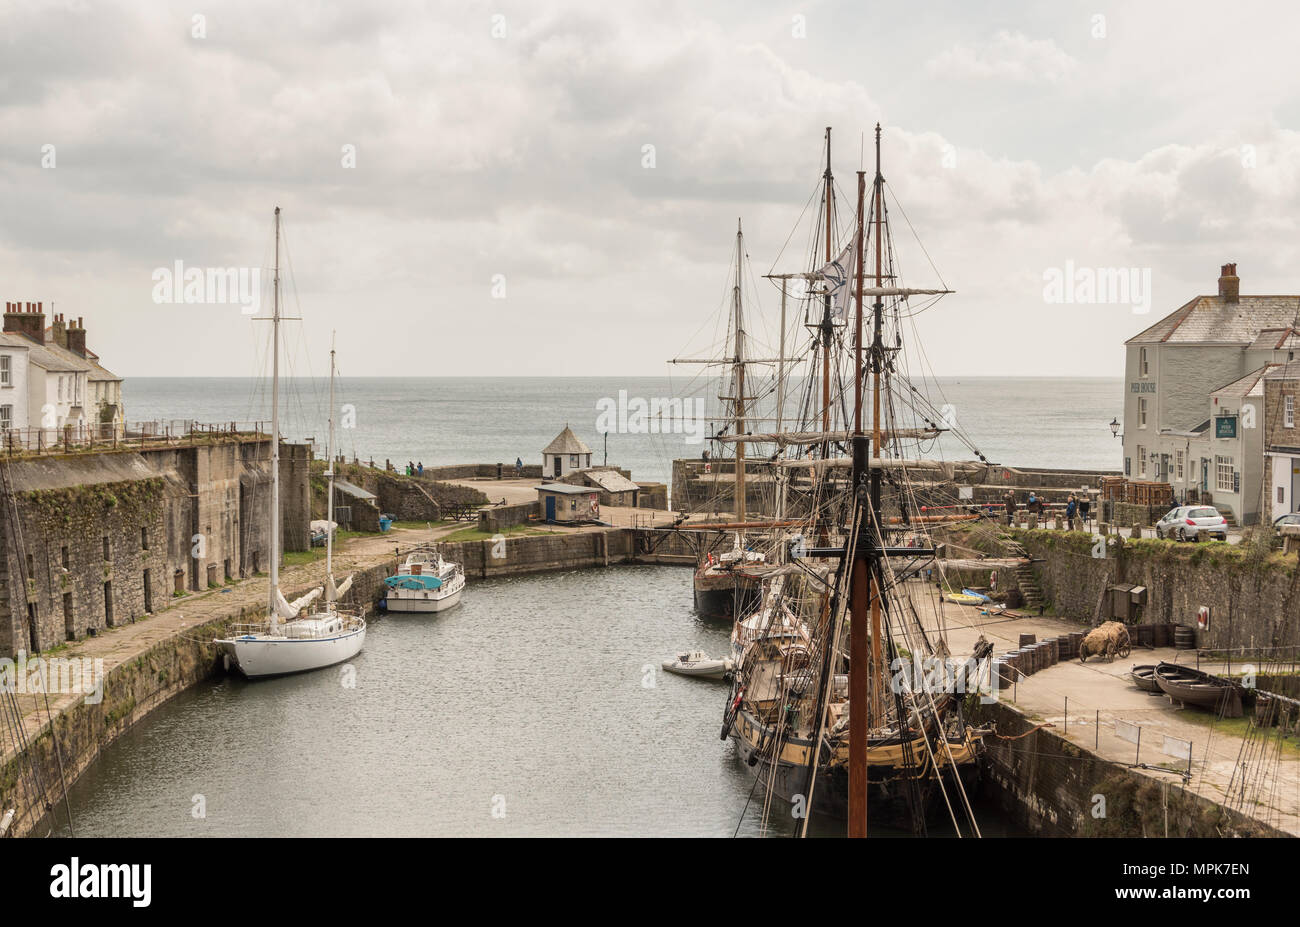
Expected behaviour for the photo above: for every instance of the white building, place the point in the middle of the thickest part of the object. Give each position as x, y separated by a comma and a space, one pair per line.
55, 382
1194, 397
564, 455
13, 384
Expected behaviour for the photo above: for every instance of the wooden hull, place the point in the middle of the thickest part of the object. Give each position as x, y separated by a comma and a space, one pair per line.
1144, 677
1192, 687
717, 594
890, 793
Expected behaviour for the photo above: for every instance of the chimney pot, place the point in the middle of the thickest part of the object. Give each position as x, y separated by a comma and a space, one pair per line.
1229, 284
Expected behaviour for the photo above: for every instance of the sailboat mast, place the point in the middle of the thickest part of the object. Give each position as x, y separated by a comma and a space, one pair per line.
739, 379
827, 328
329, 473
275, 429
859, 586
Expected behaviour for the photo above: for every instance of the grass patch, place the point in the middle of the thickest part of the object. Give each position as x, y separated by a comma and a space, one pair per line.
1237, 727
474, 534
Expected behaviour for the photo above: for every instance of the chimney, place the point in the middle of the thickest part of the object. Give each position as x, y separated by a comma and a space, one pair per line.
1229, 284
59, 332
75, 336
26, 320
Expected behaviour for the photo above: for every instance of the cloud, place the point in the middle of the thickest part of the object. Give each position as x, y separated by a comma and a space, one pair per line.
1009, 56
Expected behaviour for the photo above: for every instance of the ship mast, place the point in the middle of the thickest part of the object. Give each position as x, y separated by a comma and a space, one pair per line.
274, 592
329, 473
865, 682
739, 378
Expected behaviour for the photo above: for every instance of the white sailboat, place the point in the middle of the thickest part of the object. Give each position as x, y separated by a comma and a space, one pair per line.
292, 640
425, 582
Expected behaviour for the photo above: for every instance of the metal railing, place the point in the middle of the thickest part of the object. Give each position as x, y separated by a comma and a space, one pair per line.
98, 436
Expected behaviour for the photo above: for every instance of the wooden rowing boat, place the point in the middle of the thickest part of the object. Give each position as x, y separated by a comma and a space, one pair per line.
1144, 677
1193, 687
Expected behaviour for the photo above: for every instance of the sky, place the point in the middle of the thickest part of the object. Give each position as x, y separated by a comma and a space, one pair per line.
552, 188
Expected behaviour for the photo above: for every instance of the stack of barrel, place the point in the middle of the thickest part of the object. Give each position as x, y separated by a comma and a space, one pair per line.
1184, 637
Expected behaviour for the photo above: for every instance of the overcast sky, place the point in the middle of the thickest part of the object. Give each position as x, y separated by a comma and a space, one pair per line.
1018, 136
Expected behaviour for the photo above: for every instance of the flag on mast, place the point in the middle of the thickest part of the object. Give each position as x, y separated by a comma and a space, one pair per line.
839, 275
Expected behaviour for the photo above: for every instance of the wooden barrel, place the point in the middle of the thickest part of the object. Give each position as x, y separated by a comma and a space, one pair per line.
1184, 637
1026, 665
1027, 640
1145, 635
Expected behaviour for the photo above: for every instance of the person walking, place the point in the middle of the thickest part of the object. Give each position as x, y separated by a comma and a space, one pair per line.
1011, 506
519, 468
1085, 506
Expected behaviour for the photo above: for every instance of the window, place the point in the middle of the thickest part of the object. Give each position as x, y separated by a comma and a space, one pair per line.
6, 418
1288, 411
5, 372
1128, 466
1142, 412
1223, 474
1144, 368
1142, 460
1179, 466
64, 558
144, 538
573, 460
107, 554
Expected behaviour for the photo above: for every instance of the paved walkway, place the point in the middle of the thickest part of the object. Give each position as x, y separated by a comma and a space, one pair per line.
1102, 692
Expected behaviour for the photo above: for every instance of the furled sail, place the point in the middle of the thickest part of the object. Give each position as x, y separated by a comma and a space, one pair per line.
286, 609
333, 592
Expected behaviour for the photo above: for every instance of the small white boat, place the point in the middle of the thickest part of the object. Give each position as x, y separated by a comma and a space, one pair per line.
425, 583
699, 663
322, 638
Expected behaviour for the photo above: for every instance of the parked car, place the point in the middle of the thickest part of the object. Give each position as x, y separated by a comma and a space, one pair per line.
1292, 519
1189, 522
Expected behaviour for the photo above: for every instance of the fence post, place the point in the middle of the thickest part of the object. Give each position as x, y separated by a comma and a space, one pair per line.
1067, 714
1137, 758
1097, 737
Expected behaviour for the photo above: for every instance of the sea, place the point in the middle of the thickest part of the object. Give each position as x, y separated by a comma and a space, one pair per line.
1015, 421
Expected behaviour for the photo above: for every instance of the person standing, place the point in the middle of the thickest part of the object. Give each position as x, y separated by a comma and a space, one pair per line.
1085, 506
419, 468
1071, 507
1011, 506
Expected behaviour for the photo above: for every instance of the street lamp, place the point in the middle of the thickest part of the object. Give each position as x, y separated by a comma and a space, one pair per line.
1114, 427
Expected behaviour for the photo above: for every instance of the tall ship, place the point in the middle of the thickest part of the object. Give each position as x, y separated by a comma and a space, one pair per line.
728, 583
303, 634
817, 706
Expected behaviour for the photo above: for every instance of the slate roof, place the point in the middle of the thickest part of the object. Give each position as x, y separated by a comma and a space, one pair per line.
1249, 385
611, 480
566, 442
1211, 320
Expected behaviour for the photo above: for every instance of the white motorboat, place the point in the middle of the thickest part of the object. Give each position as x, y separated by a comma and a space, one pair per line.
425, 582
698, 663
291, 640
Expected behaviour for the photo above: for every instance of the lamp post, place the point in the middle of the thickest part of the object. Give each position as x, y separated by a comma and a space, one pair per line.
1114, 427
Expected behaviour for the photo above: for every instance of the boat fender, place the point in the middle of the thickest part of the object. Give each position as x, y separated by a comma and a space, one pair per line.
225, 662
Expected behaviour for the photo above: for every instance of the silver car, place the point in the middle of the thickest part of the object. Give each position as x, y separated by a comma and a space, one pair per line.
1189, 522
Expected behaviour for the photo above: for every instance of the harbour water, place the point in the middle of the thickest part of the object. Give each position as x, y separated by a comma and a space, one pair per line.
538, 698
1020, 421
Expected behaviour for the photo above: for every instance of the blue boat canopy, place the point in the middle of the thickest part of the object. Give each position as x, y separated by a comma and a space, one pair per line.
408, 581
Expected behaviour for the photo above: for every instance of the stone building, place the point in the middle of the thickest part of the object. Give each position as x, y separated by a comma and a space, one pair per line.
95, 540
1193, 401
564, 455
